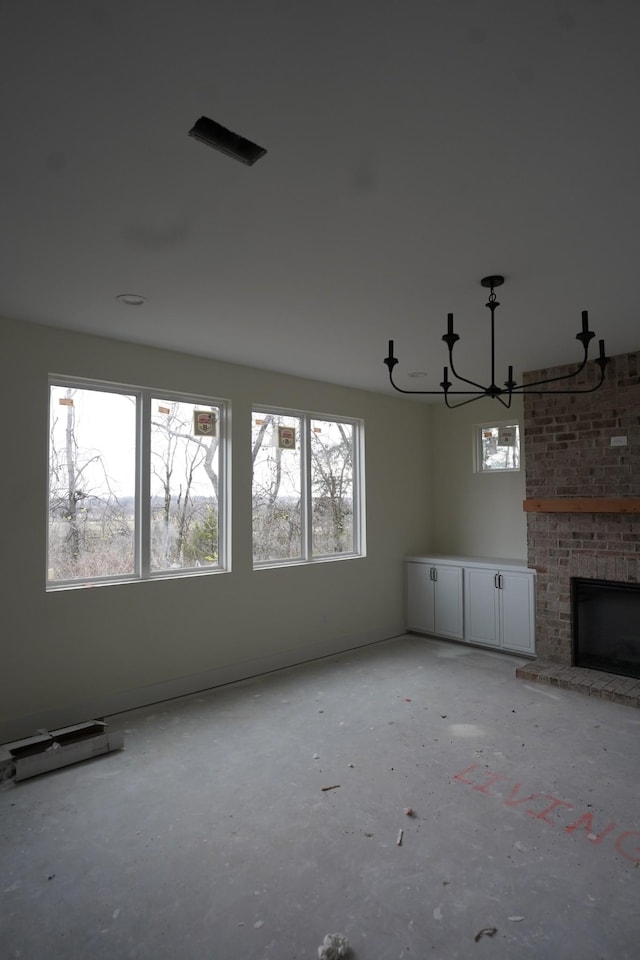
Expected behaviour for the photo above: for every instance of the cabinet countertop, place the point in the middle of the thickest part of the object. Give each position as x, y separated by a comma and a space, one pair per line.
502, 563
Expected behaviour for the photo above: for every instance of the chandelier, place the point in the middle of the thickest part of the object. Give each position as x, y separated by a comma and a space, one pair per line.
506, 392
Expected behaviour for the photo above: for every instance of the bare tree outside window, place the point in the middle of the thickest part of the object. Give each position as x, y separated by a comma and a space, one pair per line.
277, 489
332, 487
184, 487
303, 494
92, 437
99, 480
497, 447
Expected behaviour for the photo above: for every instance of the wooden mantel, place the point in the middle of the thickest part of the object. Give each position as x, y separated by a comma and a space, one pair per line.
583, 505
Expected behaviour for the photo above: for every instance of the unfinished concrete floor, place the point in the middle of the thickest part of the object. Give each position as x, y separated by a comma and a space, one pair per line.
210, 836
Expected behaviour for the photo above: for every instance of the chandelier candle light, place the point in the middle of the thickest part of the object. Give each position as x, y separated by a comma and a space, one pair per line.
505, 393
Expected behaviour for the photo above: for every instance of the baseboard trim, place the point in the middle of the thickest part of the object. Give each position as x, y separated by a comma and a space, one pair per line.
110, 704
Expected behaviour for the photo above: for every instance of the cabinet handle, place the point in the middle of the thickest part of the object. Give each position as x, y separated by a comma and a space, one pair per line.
495, 581
435, 574
500, 582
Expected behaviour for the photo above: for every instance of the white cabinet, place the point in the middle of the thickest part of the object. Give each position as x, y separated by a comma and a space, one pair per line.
475, 599
434, 599
499, 608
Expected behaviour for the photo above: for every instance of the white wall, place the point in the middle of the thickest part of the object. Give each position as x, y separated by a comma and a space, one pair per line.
476, 514
71, 655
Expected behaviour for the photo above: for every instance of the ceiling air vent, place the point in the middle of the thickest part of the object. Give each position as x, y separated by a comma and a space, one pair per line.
217, 136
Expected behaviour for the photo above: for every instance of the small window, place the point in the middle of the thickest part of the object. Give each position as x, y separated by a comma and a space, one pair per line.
497, 447
308, 503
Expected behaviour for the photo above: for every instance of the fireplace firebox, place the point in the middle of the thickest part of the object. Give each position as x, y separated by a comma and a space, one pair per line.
606, 626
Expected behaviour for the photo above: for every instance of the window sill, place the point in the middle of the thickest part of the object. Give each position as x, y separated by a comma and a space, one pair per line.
277, 564
152, 578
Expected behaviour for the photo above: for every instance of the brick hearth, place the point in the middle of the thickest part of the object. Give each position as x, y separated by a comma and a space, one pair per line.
595, 683
569, 454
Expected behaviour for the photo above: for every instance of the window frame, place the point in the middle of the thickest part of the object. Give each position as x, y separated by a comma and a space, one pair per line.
306, 494
477, 447
142, 483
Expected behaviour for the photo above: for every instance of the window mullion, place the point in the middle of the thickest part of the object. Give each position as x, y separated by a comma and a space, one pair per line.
224, 489
357, 488
143, 486
305, 499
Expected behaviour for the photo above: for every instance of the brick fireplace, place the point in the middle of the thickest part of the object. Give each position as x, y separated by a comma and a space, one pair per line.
570, 456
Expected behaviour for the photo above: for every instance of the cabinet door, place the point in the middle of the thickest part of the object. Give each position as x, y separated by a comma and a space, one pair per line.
517, 612
448, 602
420, 607
481, 606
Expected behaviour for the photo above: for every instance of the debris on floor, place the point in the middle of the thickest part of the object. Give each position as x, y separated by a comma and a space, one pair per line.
399, 840
409, 811
334, 947
51, 749
485, 932
515, 919
334, 787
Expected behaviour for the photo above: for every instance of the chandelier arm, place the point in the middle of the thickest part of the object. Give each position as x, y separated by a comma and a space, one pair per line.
429, 392
504, 402
476, 394
540, 393
602, 360
464, 379
451, 338
565, 376
453, 406
526, 387
392, 361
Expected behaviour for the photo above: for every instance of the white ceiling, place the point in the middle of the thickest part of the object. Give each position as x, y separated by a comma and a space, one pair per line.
413, 147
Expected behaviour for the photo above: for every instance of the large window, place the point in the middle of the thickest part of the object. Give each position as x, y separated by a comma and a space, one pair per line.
308, 502
136, 484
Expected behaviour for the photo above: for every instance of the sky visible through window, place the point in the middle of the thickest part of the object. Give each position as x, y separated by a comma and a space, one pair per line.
105, 430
